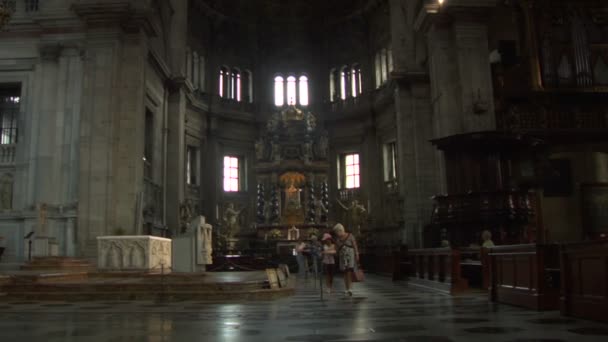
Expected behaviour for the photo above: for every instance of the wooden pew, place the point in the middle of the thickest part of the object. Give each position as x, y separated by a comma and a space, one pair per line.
523, 275
584, 280
474, 264
437, 268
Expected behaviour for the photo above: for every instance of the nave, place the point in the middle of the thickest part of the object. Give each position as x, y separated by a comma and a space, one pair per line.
380, 310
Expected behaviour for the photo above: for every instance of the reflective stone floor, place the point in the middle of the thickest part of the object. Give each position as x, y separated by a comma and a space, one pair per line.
379, 311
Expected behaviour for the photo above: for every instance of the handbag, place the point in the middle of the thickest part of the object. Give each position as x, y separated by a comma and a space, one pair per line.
358, 275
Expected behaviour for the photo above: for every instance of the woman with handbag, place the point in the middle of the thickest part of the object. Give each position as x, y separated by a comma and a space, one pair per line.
348, 255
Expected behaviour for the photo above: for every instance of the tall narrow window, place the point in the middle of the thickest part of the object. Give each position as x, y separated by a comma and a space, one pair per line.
291, 90
10, 98
383, 65
247, 86
343, 83
332, 86
148, 144
378, 70
279, 91
303, 90
390, 161
221, 85
355, 80
352, 171
231, 173
191, 165
238, 87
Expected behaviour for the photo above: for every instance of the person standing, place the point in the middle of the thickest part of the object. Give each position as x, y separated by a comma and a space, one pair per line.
329, 261
348, 255
300, 250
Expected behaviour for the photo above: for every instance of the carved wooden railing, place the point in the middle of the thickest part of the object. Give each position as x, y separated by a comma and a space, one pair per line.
482, 206
7, 154
437, 268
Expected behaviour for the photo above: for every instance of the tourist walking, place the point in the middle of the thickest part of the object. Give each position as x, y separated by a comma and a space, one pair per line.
348, 255
329, 260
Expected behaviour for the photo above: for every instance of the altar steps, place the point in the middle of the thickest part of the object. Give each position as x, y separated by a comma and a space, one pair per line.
64, 264
137, 286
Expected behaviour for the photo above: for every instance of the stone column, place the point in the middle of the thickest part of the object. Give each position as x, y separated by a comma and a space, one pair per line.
176, 156
196, 70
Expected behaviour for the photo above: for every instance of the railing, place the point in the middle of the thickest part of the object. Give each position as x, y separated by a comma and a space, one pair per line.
525, 275
437, 268
530, 117
482, 206
584, 280
7, 154
349, 194
233, 105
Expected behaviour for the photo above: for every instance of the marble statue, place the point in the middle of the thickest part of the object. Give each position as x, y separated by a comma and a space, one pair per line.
323, 145
293, 233
231, 220
356, 215
486, 237
204, 240
276, 152
320, 210
185, 214
307, 152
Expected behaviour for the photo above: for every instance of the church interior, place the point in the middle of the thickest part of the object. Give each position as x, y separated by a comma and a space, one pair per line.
188, 162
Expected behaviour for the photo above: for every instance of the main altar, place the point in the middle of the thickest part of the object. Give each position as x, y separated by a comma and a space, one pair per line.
292, 174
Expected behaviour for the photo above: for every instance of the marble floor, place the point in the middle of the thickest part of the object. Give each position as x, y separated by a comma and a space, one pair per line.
379, 311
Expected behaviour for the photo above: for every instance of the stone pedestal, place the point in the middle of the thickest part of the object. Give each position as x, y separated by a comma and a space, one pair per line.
134, 253
184, 254
41, 247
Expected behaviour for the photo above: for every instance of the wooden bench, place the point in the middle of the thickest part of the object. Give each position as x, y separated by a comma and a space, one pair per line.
474, 266
436, 268
584, 280
522, 275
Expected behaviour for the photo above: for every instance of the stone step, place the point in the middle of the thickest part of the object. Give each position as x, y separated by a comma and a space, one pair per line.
58, 263
148, 295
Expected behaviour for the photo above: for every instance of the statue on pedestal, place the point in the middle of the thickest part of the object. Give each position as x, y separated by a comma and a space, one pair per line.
293, 233
231, 222
356, 215
204, 240
320, 210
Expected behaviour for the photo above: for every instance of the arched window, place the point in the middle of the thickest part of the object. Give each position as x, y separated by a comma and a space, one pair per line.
291, 90
383, 65
355, 80
378, 70
332, 85
345, 82
224, 84
247, 86
279, 91
303, 90
235, 85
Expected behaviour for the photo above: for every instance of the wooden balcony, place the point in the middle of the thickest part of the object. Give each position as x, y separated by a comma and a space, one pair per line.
498, 206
